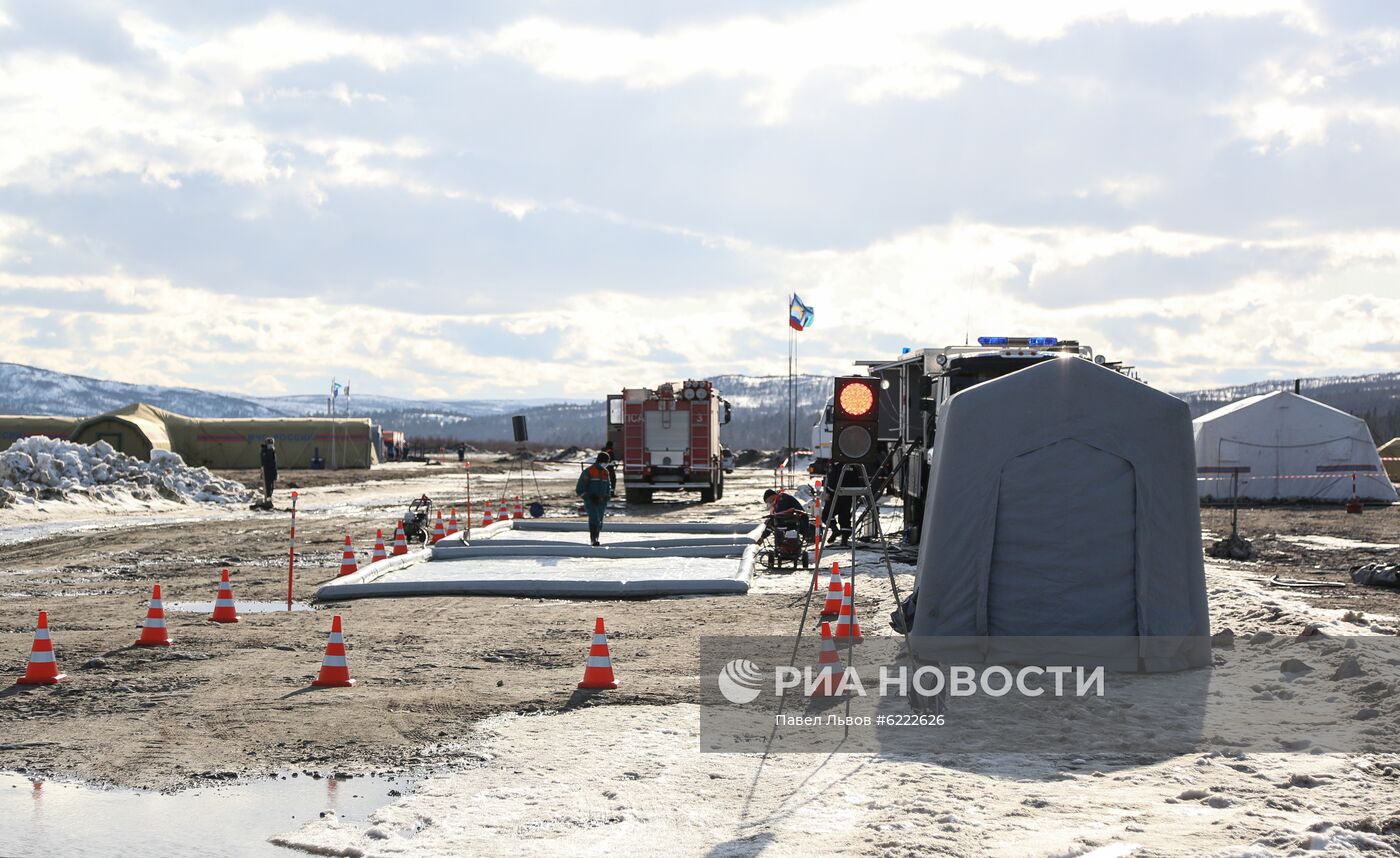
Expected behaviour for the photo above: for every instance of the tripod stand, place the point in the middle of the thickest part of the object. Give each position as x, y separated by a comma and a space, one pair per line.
859, 489
524, 464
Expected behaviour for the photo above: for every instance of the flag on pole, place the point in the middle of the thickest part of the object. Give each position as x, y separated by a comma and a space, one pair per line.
799, 314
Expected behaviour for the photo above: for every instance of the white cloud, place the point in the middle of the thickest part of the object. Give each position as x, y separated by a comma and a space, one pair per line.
1294, 100
307, 109
876, 49
278, 42
933, 286
67, 119
925, 288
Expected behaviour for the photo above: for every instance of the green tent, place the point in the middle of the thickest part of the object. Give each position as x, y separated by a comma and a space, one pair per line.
135, 429
14, 427
1390, 457
233, 443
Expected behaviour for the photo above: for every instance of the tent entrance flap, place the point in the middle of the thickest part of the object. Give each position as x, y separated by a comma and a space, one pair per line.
1039, 580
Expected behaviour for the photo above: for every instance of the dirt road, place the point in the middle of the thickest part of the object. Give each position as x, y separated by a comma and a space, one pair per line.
233, 700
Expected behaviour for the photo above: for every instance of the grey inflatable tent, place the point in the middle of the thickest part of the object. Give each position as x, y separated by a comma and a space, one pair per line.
1062, 503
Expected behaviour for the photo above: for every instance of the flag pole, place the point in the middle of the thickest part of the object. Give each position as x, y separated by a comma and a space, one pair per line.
792, 430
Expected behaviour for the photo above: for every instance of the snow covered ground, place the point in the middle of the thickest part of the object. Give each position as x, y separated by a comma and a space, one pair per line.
632, 780
1334, 543
38, 469
616, 781
36, 518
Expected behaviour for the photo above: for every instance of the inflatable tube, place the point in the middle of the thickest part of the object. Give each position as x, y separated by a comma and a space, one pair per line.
476, 550
544, 588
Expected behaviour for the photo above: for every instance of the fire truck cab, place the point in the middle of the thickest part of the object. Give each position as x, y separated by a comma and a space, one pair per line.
667, 439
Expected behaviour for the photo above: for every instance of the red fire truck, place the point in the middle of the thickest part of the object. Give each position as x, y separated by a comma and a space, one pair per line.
667, 439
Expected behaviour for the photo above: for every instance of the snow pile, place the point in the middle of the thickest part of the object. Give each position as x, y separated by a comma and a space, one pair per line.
49, 469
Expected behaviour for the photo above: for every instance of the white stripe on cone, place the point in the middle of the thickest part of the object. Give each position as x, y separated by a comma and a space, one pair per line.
41, 656
335, 661
599, 661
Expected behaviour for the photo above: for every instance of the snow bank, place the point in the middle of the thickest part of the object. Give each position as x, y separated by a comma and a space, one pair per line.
620, 780
39, 468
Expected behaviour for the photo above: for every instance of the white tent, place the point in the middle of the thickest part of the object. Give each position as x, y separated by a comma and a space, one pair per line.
1284, 446
1061, 505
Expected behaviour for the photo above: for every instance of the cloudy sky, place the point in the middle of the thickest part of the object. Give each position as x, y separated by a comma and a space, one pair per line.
499, 200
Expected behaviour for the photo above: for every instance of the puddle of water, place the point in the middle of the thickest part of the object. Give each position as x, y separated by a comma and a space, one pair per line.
243, 607
232, 820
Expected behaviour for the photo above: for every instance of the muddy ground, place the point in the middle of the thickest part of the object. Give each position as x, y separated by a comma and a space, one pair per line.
1286, 544
234, 701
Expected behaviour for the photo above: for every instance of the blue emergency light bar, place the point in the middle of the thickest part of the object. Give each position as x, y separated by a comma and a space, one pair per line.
1033, 342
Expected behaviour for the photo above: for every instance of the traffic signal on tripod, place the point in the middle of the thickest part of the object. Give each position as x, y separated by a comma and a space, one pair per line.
855, 420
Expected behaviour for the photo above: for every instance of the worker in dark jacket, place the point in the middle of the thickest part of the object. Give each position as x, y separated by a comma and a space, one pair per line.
784, 506
839, 508
612, 466
594, 488
269, 466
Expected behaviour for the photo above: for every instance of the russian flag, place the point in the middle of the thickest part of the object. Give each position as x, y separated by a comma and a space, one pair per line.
799, 314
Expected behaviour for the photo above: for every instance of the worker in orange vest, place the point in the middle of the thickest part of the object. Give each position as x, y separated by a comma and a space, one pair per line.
595, 489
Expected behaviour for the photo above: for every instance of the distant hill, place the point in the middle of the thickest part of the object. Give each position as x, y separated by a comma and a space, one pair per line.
30, 390
1375, 398
759, 407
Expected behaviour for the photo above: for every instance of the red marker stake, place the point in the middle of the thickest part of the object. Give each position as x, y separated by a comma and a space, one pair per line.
292, 552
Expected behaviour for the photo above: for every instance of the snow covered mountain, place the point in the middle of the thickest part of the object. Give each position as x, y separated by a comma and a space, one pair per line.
760, 407
30, 390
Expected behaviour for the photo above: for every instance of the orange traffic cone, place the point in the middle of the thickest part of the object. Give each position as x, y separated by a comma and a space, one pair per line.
834, 591
452, 522
335, 671
831, 670
348, 566
487, 517
153, 633
438, 531
43, 667
519, 511
846, 625
504, 514
598, 673
379, 552
224, 609
400, 541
